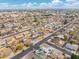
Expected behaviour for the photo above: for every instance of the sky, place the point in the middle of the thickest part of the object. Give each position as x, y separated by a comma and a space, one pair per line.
39, 4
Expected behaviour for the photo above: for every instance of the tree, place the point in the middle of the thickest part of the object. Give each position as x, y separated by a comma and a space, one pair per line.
19, 46
65, 38
72, 33
27, 45
35, 20
37, 47
74, 56
65, 22
72, 42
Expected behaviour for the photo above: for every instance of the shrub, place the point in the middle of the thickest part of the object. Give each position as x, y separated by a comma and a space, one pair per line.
74, 56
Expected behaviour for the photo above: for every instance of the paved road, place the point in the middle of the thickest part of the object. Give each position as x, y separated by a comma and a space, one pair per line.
13, 34
25, 31
61, 49
29, 49
20, 55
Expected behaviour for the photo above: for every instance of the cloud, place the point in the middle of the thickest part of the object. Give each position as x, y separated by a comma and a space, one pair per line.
15, 6
45, 5
56, 1
53, 4
25, 6
71, 0
67, 4
72, 4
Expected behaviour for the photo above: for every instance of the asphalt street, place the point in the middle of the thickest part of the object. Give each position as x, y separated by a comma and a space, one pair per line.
25, 52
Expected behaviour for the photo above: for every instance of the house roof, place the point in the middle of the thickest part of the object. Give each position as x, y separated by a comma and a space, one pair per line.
71, 47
